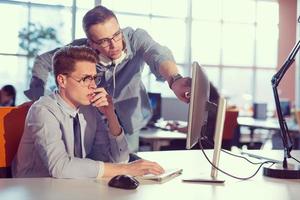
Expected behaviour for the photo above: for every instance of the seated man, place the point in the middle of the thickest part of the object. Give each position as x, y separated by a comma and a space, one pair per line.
65, 135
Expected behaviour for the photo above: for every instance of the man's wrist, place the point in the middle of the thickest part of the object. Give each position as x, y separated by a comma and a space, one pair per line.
173, 79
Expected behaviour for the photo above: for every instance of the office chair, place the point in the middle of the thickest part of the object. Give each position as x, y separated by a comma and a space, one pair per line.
12, 121
230, 126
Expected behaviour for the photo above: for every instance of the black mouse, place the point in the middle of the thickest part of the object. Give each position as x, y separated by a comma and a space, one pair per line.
123, 182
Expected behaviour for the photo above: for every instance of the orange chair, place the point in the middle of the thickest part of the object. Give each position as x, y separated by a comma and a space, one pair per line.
230, 125
12, 121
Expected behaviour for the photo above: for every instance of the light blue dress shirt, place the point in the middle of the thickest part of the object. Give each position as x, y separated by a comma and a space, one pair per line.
47, 145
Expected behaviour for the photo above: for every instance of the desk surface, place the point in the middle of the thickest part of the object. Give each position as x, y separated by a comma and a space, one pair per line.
270, 124
192, 162
154, 133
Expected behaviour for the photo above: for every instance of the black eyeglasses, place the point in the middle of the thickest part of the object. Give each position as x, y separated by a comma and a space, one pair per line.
87, 80
105, 42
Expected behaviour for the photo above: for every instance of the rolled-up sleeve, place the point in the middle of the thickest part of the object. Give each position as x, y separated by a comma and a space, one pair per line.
107, 147
153, 53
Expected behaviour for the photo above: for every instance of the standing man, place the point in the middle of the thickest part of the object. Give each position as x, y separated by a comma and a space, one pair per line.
65, 135
122, 53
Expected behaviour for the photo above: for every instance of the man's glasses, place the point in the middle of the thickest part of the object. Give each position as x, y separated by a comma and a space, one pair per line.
105, 42
88, 79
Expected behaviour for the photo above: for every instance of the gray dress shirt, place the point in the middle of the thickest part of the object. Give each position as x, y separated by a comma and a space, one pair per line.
47, 145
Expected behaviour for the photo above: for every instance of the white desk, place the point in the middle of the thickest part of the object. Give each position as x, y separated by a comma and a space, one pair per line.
158, 138
192, 162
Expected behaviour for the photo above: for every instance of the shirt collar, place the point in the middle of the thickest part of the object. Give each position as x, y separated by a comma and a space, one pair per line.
65, 106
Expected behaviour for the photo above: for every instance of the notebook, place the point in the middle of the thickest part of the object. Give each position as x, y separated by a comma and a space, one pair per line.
168, 175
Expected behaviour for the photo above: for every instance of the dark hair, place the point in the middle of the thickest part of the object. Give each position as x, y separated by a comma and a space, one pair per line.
11, 91
65, 58
97, 15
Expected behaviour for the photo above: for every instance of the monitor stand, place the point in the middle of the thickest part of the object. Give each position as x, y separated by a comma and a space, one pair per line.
217, 146
202, 180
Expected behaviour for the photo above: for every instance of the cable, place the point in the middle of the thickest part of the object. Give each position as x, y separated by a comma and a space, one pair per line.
232, 154
226, 173
295, 159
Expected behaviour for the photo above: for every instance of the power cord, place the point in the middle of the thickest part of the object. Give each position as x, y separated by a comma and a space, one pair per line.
206, 140
226, 173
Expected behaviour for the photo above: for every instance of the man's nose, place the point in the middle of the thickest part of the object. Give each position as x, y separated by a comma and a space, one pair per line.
93, 84
112, 43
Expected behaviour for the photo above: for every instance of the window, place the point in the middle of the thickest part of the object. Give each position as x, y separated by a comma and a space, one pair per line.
236, 41
15, 66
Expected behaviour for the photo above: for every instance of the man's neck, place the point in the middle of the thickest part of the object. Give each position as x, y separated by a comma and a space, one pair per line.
70, 103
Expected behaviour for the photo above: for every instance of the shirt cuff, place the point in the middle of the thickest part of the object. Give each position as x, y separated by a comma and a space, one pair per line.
101, 170
119, 137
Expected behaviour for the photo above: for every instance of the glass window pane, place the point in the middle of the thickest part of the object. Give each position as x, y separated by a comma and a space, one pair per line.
134, 21
266, 46
159, 7
88, 4
267, 12
54, 2
79, 33
239, 90
171, 33
209, 10
264, 92
206, 42
213, 74
60, 20
13, 71
239, 10
9, 35
159, 86
238, 44
130, 6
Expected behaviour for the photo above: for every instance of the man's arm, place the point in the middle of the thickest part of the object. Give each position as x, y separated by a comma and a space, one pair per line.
162, 63
42, 67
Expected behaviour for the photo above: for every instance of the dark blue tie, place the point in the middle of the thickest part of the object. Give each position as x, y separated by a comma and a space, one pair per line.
77, 137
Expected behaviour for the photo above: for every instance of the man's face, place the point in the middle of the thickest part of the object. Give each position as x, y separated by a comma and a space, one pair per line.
107, 38
78, 87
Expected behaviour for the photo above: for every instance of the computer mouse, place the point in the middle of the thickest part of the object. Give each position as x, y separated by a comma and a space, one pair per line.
123, 182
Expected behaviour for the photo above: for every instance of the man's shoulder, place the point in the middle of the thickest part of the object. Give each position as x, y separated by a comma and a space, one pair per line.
46, 103
131, 32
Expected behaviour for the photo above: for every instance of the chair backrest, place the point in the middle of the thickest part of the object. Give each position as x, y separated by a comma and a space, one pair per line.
230, 123
12, 121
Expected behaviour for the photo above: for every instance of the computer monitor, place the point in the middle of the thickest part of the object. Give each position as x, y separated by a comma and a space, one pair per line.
155, 102
285, 106
197, 119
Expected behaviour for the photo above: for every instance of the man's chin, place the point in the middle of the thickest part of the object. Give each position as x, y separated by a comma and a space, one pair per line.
115, 56
86, 102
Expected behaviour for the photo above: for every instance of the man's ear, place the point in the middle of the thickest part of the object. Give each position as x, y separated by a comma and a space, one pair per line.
61, 80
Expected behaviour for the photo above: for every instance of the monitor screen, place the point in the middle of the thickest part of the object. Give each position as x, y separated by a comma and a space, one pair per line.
155, 102
199, 109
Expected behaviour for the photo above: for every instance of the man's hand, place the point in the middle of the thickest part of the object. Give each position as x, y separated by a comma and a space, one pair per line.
103, 102
182, 89
136, 168
142, 167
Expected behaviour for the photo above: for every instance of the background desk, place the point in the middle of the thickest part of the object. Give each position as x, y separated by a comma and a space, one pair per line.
270, 124
192, 162
158, 138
